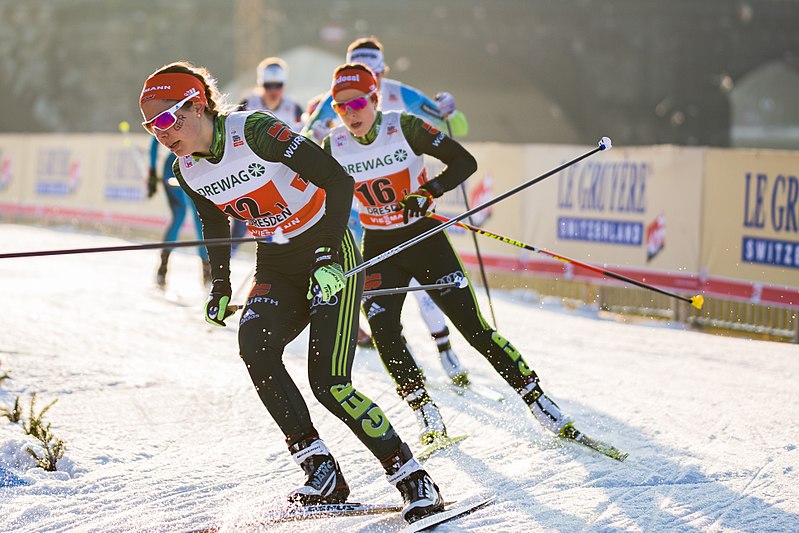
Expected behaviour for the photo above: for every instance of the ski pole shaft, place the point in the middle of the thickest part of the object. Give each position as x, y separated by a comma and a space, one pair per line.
604, 144
695, 301
393, 290
400, 290
148, 246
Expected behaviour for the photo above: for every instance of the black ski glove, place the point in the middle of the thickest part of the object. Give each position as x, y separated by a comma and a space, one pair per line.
216, 308
416, 204
152, 183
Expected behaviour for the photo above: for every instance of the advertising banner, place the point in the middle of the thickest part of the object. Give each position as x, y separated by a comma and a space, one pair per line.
630, 207
718, 221
91, 178
751, 216
12, 168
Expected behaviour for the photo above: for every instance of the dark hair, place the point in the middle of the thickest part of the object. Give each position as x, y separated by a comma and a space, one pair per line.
366, 42
212, 95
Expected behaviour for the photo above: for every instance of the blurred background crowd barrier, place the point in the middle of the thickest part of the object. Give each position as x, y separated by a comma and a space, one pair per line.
722, 222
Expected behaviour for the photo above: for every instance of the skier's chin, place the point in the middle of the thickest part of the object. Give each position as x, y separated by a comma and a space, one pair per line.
177, 148
357, 128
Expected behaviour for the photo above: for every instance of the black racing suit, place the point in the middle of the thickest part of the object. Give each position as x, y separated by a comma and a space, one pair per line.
277, 309
433, 260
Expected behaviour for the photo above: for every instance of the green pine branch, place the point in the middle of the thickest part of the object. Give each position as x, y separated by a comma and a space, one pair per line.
15, 414
36, 427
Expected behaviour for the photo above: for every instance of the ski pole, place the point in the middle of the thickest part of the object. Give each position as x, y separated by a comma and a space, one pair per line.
695, 301
277, 238
604, 144
476, 246
460, 284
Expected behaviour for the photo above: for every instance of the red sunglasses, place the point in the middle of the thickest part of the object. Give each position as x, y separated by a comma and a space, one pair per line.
356, 104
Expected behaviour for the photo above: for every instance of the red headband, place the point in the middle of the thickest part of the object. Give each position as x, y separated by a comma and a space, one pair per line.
172, 86
353, 78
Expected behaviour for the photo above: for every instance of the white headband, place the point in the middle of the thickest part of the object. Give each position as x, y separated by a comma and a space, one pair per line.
368, 56
272, 74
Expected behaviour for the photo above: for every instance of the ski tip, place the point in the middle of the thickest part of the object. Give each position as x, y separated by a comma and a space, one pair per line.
450, 512
440, 443
605, 143
697, 301
570, 432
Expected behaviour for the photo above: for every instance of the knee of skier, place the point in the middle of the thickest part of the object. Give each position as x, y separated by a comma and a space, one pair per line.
324, 390
254, 348
387, 343
333, 394
352, 406
386, 330
483, 339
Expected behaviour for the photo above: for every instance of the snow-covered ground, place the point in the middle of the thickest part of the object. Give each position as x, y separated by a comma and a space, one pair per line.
164, 431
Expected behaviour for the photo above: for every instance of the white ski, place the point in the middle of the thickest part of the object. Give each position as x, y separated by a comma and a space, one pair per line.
450, 512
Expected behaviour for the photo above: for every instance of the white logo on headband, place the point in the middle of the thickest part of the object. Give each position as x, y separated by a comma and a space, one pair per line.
157, 88
342, 79
368, 56
191, 92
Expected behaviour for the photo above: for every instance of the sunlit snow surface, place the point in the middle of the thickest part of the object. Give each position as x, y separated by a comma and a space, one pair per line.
164, 431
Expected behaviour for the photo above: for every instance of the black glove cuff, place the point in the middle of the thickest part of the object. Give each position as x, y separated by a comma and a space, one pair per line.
324, 255
434, 187
221, 285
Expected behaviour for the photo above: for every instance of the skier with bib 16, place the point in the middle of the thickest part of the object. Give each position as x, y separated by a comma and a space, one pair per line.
394, 196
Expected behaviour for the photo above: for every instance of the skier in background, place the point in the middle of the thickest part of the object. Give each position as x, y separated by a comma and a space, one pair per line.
179, 203
271, 75
396, 96
268, 94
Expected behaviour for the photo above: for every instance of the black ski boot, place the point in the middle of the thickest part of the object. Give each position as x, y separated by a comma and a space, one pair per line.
544, 409
431, 424
420, 494
324, 482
